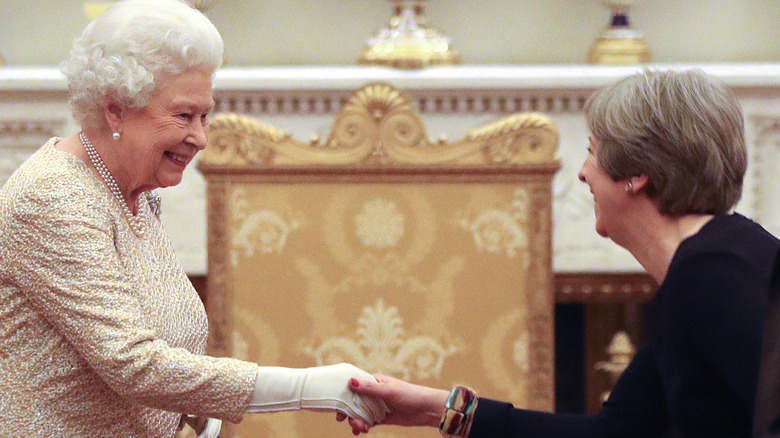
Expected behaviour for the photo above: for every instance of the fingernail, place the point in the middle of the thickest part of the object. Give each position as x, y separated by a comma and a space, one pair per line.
354, 382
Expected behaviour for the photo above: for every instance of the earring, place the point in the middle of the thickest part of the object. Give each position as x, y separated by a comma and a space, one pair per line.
116, 135
629, 187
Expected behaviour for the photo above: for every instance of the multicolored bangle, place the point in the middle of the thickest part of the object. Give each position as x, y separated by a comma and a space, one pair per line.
458, 413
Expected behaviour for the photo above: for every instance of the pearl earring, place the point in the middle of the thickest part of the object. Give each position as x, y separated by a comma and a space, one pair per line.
116, 135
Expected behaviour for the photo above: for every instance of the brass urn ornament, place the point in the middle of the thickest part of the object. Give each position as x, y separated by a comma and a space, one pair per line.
407, 41
94, 8
621, 350
619, 43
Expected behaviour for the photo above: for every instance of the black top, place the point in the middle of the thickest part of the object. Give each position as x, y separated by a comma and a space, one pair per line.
767, 423
697, 374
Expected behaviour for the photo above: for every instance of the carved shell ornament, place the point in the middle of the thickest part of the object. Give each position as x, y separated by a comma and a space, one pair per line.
501, 146
241, 139
378, 126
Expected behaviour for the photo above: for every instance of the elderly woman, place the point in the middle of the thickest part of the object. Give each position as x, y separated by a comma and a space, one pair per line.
665, 166
101, 333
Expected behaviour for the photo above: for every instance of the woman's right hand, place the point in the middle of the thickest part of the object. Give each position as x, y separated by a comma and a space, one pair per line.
409, 404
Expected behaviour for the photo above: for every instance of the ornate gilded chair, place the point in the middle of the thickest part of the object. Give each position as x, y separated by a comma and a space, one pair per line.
426, 260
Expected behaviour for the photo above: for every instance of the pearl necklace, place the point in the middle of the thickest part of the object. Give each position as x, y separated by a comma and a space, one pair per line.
136, 222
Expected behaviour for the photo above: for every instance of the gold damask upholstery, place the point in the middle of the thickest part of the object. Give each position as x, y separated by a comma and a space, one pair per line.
421, 259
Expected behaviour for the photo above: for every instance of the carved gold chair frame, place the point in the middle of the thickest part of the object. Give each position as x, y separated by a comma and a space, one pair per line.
426, 259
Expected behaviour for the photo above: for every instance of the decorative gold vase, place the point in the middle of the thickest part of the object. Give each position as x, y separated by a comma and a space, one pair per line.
94, 8
619, 43
621, 350
407, 41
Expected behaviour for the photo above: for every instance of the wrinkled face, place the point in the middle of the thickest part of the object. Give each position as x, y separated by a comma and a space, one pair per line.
161, 139
608, 196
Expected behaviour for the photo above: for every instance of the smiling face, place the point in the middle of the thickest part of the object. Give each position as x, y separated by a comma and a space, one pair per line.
160, 139
609, 197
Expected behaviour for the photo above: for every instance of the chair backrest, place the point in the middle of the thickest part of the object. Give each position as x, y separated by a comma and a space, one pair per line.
426, 260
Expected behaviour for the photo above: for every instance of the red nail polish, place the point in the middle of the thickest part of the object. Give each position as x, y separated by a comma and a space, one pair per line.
354, 382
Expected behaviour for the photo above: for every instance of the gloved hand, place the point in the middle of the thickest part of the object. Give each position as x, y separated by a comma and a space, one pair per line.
204, 427
211, 429
318, 388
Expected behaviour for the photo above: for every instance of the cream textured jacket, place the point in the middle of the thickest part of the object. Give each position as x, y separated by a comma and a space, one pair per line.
101, 332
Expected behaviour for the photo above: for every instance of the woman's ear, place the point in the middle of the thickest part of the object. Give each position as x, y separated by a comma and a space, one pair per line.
639, 183
113, 112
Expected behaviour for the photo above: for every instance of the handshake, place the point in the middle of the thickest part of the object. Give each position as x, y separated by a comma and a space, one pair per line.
322, 389
352, 394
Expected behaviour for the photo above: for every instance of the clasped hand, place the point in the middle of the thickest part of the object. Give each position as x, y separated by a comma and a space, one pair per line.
409, 404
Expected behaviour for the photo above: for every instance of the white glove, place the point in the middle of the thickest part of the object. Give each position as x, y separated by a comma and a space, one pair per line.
204, 427
212, 429
318, 388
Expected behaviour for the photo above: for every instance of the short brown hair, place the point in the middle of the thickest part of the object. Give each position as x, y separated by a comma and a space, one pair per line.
683, 129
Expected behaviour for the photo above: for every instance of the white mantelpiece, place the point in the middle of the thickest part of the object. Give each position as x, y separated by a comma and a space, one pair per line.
451, 100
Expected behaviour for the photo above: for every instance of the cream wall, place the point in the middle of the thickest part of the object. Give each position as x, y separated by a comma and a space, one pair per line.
327, 32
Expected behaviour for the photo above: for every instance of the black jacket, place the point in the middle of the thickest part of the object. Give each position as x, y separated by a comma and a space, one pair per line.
768, 397
697, 374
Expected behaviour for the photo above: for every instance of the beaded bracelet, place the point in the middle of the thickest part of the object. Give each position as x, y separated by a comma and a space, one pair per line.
458, 413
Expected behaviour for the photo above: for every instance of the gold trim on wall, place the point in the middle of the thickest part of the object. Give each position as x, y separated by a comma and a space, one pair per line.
592, 287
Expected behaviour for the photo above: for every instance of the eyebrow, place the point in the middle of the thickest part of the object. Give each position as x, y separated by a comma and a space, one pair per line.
190, 103
186, 103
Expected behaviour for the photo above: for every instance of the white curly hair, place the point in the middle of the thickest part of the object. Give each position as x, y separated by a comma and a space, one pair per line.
131, 48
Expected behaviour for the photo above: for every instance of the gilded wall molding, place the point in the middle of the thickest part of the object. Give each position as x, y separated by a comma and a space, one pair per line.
379, 126
766, 155
604, 287
19, 138
467, 101
42, 128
